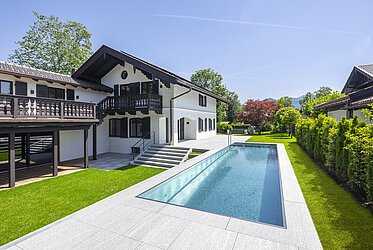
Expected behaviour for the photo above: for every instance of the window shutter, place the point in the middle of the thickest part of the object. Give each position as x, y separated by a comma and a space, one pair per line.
205, 101
70, 94
146, 127
124, 127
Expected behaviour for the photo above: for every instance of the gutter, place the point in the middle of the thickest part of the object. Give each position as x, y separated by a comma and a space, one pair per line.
171, 113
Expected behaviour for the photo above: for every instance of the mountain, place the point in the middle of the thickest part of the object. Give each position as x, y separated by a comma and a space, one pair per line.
295, 101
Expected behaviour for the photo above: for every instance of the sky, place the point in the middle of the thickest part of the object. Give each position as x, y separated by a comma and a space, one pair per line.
262, 48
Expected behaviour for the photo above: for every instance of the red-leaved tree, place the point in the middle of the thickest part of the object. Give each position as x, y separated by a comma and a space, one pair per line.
258, 113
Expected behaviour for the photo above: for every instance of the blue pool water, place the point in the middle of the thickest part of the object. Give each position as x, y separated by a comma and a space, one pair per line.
240, 181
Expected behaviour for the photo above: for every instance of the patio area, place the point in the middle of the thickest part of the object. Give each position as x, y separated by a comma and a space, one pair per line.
105, 161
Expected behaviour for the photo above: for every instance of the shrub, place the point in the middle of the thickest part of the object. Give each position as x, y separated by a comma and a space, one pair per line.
346, 148
223, 127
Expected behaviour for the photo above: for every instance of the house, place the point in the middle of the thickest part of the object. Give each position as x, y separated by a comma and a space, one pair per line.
359, 94
113, 103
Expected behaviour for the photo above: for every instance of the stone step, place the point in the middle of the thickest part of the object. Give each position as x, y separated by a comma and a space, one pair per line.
169, 149
161, 156
160, 160
168, 146
165, 153
152, 163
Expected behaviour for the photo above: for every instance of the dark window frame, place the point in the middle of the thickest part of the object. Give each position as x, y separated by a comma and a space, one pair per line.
200, 124
70, 94
210, 124
202, 100
205, 124
114, 127
10, 85
20, 87
136, 122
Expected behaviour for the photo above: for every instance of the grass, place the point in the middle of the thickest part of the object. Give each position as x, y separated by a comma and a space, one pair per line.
29, 207
340, 220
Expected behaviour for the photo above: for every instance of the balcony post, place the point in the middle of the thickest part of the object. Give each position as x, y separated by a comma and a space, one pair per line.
55, 153
15, 107
61, 110
94, 128
11, 159
85, 142
28, 150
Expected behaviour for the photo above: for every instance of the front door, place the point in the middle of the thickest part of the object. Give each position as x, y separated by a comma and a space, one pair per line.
181, 129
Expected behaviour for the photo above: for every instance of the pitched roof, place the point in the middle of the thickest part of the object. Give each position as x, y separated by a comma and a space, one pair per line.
38, 74
106, 58
368, 69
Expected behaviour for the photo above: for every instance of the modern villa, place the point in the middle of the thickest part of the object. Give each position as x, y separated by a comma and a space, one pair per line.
114, 102
359, 94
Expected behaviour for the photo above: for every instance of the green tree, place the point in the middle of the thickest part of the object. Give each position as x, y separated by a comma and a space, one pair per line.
286, 101
213, 81
287, 117
323, 91
53, 45
305, 98
308, 106
368, 112
234, 106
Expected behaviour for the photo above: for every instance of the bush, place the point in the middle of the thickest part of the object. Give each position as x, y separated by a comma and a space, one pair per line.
223, 127
345, 148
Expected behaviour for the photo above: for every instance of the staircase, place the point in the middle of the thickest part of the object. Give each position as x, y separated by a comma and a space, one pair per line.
163, 156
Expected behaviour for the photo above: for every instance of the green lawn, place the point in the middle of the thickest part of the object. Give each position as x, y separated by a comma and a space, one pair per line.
26, 208
341, 222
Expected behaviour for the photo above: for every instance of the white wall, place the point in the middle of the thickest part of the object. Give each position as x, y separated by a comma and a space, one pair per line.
85, 95
337, 114
361, 116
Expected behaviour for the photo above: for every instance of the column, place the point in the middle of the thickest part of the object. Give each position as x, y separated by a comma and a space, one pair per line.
94, 142
55, 153
85, 148
11, 159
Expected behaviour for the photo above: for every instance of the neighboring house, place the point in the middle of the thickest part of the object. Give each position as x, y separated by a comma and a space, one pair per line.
111, 102
359, 93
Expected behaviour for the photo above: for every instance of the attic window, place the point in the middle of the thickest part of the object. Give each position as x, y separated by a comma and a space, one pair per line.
124, 74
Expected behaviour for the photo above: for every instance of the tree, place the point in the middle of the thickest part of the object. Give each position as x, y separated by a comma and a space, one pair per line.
286, 101
305, 98
234, 106
287, 117
308, 107
258, 113
323, 91
53, 45
368, 112
213, 81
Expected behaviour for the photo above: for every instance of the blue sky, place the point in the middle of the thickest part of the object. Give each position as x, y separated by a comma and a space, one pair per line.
262, 48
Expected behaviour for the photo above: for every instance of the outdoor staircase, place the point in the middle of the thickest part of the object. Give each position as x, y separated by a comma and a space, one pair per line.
163, 156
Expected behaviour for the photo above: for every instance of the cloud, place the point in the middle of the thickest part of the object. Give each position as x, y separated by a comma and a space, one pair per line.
269, 25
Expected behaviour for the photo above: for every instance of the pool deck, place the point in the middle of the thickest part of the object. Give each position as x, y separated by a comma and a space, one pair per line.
123, 221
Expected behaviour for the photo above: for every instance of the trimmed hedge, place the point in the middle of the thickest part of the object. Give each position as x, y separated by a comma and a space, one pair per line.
344, 147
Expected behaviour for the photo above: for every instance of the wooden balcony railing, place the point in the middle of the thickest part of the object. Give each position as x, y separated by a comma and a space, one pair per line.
13, 106
129, 103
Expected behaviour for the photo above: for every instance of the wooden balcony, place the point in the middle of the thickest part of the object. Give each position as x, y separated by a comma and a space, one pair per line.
23, 107
129, 103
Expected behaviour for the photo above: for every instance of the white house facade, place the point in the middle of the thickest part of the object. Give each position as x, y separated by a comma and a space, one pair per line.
113, 101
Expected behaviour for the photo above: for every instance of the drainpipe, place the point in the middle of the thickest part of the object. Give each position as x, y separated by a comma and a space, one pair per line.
171, 113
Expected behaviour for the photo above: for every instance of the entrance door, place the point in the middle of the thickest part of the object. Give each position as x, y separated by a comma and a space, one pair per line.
181, 129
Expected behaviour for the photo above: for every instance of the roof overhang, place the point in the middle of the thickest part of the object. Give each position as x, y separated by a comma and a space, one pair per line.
358, 79
106, 58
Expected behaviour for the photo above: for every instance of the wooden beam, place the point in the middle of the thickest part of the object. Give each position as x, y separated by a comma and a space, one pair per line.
11, 160
94, 127
85, 142
55, 154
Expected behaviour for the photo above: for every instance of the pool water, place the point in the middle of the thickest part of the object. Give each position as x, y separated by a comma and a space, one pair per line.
240, 181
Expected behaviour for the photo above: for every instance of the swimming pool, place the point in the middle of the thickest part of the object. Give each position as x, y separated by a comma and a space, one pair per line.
240, 181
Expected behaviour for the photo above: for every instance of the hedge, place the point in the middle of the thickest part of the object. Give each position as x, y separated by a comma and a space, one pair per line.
344, 147
223, 127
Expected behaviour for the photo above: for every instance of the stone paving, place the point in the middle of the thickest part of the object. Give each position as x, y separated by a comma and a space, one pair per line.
123, 221
105, 161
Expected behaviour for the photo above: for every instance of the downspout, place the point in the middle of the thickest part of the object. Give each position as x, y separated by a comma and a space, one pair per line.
171, 114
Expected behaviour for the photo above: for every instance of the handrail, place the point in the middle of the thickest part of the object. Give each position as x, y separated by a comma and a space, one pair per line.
145, 145
14, 106
129, 103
